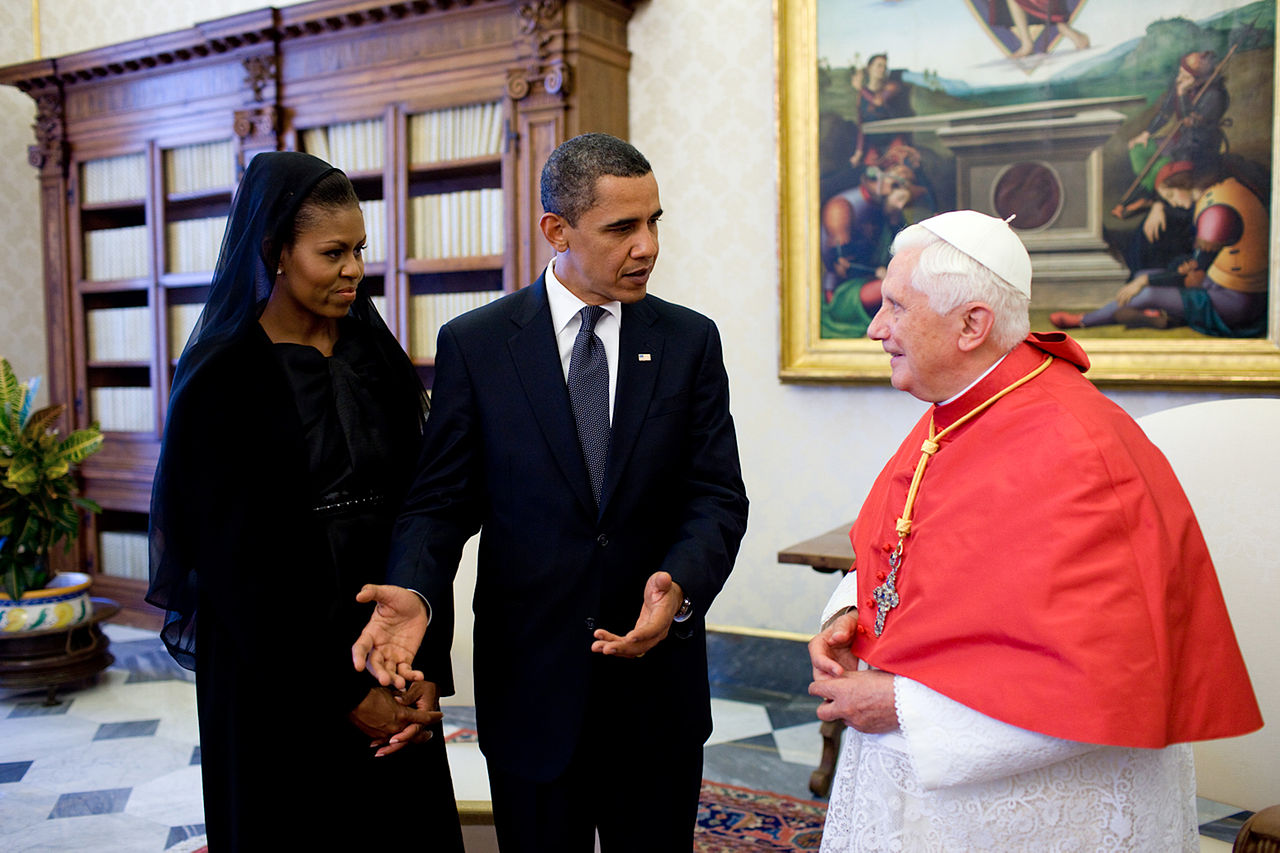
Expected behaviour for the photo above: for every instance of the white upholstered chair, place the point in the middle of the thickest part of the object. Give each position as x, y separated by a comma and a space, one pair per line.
1227, 455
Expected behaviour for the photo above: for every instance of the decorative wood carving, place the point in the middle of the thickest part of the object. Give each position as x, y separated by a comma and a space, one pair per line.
259, 71
541, 22
50, 151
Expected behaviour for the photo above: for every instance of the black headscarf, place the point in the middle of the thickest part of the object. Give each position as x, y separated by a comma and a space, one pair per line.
274, 188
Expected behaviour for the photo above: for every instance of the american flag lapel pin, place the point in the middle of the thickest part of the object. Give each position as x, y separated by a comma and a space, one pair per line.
644, 356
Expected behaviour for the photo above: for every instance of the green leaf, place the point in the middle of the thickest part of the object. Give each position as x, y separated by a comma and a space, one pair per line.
42, 421
23, 472
86, 504
79, 445
11, 397
11, 584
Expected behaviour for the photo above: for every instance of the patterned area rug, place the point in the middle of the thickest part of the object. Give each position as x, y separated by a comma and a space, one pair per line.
731, 819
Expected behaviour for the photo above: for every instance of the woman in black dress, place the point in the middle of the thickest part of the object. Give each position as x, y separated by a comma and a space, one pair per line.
294, 423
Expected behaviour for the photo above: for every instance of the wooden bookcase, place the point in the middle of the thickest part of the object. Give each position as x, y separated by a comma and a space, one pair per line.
441, 112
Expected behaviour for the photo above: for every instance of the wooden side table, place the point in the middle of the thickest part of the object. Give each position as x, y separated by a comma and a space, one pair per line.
827, 552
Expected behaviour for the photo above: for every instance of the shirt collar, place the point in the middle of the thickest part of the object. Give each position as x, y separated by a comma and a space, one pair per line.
565, 306
984, 375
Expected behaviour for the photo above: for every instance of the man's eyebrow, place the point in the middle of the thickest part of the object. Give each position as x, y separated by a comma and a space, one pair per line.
632, 220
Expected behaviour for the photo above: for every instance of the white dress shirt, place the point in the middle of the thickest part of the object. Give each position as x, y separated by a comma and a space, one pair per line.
566, 320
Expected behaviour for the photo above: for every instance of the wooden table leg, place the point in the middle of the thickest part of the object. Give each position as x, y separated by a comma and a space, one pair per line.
820, 779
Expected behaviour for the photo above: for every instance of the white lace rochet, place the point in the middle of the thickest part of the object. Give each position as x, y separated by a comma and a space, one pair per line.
952, 779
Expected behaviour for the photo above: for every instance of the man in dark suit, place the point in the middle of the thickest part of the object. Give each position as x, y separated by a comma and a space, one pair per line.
601, 467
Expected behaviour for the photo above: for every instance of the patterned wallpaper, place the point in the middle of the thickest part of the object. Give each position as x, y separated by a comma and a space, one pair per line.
702, 109
22, 338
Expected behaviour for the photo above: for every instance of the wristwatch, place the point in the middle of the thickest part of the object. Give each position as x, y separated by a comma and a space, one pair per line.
685, 611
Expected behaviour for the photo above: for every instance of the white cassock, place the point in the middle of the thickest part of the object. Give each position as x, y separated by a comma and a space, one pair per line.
952, 779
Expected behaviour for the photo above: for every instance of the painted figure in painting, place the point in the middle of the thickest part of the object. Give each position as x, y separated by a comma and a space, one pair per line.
881, 96
1012, 21
1221, 288
858, 225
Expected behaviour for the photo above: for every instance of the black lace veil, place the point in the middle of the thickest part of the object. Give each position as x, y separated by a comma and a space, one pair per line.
275, 185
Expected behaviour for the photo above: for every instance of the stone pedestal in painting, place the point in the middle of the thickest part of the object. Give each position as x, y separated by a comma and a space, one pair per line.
1042, 163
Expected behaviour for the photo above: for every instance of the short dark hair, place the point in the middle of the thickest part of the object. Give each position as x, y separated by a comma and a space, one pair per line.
570, 175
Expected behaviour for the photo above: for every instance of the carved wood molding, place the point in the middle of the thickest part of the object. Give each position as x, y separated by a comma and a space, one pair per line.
316, 18
259, 71
257, 125
50, 153
541, 21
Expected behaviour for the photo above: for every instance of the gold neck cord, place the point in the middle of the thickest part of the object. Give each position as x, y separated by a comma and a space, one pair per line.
886, 595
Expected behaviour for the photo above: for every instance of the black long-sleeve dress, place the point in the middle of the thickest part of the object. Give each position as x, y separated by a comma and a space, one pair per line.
284, 472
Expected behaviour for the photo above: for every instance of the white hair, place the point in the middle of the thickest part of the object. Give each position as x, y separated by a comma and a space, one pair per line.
950, 278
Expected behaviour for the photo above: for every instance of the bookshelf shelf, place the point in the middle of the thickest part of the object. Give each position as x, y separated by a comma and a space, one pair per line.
118, 285
113, 207
429, 266
457, 168
140, 145
199, 197
184, 279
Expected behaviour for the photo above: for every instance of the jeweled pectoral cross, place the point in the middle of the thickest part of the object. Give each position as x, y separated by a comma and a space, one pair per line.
886, 595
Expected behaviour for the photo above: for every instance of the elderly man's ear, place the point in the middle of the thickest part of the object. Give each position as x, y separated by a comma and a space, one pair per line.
976, 322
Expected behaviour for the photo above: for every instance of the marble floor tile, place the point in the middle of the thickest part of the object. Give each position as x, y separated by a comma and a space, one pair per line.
22, 806
107, 764
81, 803
733, 720
13, 771
185, 838
110, 833
467, 767
800, 744
1208, 811
131, 728
172, 799
28, 738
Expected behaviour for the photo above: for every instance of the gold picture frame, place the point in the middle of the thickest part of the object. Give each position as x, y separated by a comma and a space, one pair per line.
806, 356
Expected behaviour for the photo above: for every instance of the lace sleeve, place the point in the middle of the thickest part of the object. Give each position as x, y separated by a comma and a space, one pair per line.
951, 744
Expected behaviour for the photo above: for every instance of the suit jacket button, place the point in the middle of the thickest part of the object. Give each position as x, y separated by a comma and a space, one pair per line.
591, 624
602, 540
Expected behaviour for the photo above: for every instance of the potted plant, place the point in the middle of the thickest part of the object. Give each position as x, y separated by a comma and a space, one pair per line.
39, 508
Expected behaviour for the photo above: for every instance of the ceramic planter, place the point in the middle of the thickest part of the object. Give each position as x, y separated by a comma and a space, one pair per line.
62, 604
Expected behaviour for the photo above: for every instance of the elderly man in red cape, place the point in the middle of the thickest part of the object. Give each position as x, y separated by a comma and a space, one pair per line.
1033, 631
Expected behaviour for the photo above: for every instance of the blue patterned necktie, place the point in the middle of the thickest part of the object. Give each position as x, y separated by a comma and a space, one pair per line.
589, 396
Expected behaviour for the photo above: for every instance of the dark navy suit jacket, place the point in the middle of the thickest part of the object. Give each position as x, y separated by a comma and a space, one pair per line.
501, 456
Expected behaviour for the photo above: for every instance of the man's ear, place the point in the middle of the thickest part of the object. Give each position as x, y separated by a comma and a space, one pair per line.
554, 229
976, 322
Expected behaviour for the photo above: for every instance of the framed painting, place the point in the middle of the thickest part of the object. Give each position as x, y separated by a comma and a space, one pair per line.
1131, 141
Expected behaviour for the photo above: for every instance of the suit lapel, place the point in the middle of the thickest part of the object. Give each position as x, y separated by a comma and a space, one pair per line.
537, 362
639, 360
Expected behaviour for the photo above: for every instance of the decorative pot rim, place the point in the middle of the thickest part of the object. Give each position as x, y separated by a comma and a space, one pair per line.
63, 587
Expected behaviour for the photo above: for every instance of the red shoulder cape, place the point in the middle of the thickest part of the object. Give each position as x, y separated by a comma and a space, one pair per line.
1055, 577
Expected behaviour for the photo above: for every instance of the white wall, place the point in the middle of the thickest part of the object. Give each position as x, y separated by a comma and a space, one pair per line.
702, 109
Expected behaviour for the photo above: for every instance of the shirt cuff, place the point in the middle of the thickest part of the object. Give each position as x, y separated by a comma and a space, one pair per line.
426, 603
